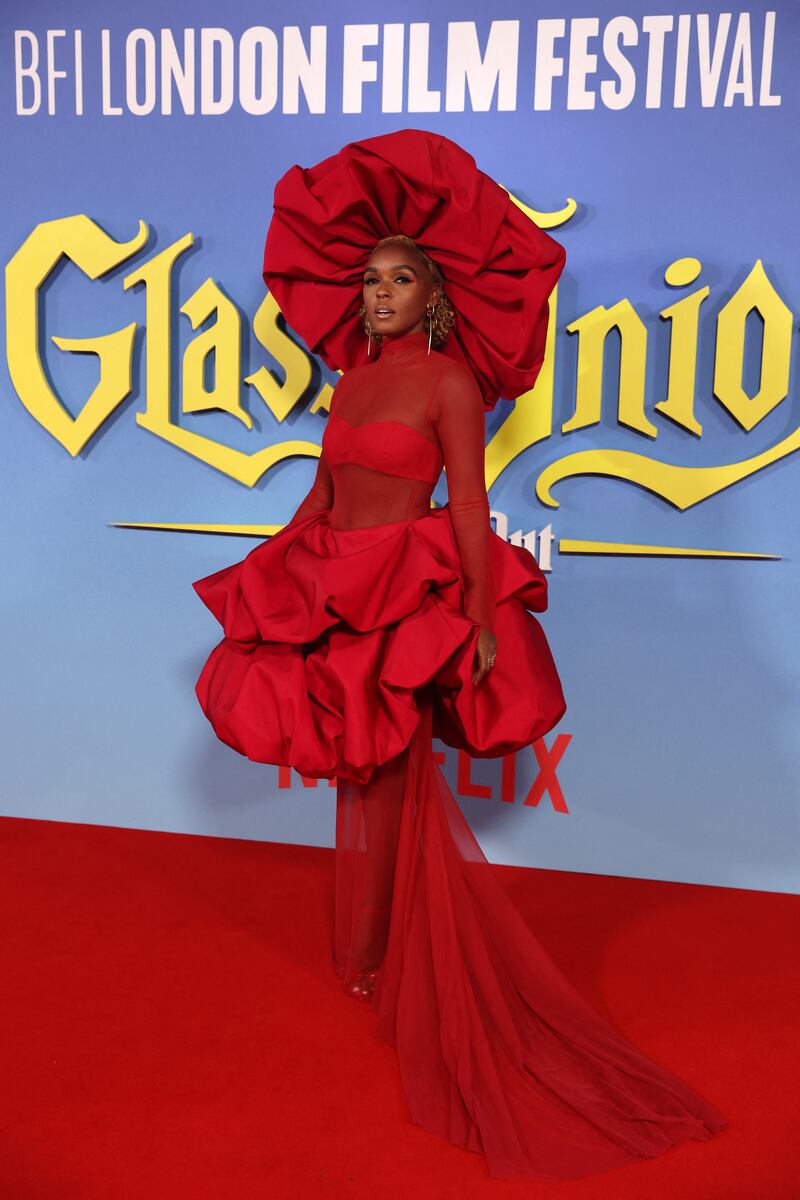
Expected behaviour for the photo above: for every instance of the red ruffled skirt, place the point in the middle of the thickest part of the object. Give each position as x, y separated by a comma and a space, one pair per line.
330, 634
345, 652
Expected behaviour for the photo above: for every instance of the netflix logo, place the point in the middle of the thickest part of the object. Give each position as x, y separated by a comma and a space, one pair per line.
509, 786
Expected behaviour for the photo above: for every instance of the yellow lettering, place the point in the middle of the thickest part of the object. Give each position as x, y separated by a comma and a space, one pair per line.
593, 329
684, 317
95, 253
755, 293
293, 377
531, 419
224, 341
323, 401
280, 398
546, 220
681, 486
156, 274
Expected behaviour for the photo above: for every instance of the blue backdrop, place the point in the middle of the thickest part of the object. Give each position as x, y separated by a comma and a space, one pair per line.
678, 757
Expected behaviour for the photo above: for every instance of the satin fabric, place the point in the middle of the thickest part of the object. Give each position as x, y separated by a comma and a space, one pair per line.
329, 635
499, 268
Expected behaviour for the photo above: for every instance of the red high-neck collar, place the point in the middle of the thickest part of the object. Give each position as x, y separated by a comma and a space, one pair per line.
414, 342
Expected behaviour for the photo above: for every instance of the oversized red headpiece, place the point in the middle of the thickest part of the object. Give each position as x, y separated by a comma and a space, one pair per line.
499, 268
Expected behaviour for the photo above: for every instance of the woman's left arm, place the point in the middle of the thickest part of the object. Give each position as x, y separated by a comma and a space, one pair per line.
457, 413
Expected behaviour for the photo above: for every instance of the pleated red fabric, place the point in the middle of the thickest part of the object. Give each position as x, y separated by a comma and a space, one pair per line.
330, 633
499, 268
367, 595
349, 641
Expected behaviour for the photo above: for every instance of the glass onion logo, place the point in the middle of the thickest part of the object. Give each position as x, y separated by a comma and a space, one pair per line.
211, 378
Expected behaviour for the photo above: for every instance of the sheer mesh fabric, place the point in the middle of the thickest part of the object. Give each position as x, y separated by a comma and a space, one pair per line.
411, 395
497, 1052
319, 496
367, 829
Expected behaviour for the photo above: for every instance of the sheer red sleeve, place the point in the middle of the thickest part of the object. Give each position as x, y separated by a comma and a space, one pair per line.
457, 412
320, 495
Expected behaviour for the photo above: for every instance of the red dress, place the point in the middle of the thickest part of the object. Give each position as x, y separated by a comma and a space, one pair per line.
349, 642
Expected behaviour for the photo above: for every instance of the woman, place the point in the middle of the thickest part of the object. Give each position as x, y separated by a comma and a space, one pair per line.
371, 623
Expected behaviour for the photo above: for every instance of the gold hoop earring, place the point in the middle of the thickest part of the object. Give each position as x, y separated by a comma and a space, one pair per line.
430, 311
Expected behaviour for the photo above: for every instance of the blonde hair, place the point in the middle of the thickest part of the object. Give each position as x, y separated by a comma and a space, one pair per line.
444, 315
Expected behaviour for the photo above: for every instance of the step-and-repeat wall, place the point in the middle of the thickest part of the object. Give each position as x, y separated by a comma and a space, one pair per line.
157, 416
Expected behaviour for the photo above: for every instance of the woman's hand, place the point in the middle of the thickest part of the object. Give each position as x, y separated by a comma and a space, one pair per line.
485, 650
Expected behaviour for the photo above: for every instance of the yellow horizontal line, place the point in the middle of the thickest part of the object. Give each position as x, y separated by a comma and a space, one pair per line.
236, 530
581, 546
565, 545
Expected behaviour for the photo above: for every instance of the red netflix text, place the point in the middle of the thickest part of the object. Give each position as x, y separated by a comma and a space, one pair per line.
504, 788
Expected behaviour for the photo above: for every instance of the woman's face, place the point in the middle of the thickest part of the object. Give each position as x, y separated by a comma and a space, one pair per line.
397, 290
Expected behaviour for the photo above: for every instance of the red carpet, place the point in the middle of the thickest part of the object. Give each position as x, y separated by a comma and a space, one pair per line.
168, 1031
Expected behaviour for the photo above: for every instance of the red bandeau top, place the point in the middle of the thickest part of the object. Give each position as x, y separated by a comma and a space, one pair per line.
394, 423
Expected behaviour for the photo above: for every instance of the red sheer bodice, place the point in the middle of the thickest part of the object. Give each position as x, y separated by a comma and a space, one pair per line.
393, 425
